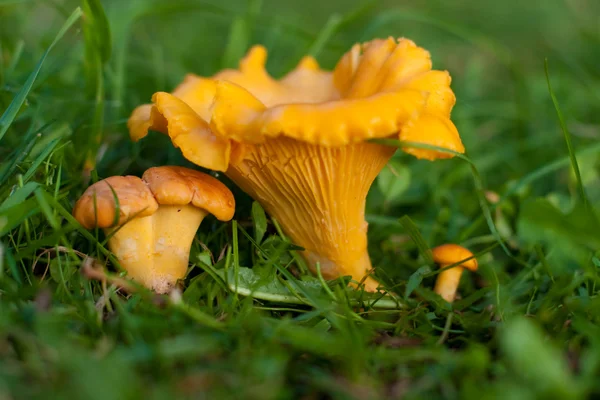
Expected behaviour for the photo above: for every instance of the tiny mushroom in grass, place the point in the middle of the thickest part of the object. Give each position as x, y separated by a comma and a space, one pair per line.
300, 145
448, 280
158, 216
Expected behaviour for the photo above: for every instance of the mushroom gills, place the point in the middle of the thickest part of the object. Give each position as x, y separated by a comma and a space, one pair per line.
154, 250
318, 196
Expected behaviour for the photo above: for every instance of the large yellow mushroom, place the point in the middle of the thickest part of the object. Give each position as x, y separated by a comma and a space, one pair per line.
158, 216
299, 145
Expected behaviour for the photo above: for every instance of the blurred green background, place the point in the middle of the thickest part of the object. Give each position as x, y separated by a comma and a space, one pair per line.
494, 51
56, 342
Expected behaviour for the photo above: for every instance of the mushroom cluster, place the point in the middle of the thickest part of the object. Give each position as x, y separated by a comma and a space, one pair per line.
151, 222
300, 145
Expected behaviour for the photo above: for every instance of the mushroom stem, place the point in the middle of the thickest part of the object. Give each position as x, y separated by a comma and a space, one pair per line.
447, 282
154, 250
318, 195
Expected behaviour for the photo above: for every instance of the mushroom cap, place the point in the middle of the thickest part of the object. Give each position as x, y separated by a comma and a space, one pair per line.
448, 254
379, 89
173, 185
97, 206
186, 128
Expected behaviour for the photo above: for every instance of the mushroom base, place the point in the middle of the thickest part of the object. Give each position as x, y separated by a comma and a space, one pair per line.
318, 196
155, 250
331, 269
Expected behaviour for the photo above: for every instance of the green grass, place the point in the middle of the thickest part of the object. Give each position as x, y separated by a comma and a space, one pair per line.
524, 200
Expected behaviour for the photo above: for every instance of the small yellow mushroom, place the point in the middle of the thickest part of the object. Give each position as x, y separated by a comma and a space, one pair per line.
159, 215
448, 280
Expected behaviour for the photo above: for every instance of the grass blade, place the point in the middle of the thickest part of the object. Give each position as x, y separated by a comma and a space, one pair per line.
568, 139
415, 235
331, 27
259, 219
97, 53
11, 112
240, 33
237, 43
11, 217
96, 20
40, 159
19, 196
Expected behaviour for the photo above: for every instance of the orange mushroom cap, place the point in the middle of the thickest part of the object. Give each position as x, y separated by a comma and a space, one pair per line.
378, 89
449, 254
180, 186
167, 185
97, 206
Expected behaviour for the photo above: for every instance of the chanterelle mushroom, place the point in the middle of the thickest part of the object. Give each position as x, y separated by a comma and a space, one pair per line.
299, 145
448, 280
159, 215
